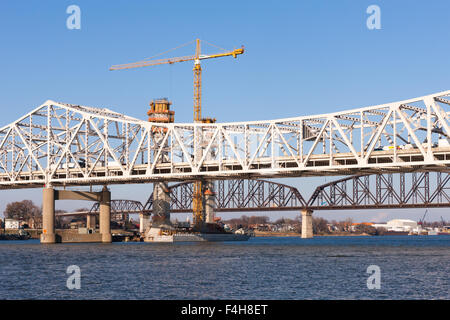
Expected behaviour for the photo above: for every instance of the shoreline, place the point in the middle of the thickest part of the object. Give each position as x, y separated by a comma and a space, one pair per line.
294, 234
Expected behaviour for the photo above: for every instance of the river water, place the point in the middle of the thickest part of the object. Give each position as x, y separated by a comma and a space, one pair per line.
411, 267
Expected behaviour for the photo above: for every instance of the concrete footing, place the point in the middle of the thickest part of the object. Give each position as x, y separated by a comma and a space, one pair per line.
307, 226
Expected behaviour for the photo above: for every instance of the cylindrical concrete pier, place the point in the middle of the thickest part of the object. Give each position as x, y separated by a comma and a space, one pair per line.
48, 216
307, 226
161, 203
105, 216
90, 221
144, 221
210, 202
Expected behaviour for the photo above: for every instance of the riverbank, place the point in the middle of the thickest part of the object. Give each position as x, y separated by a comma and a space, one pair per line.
14, 237
68, 235
120, 235
295, 234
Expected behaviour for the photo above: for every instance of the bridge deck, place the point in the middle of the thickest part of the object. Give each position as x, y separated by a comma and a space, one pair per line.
318, 165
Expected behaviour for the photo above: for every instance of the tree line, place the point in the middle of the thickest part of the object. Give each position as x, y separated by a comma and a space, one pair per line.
320, 225
22, 210
26, 209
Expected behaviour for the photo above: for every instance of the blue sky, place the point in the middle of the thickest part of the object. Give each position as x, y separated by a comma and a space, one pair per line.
302, 57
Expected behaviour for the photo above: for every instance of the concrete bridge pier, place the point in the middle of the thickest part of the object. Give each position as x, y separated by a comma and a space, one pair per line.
161, 204
307, 226
48, 216
90, 221
144, 222
210, 202
105, 215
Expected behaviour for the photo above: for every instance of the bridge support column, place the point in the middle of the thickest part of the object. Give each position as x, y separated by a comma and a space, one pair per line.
161, 204
210, 202
105, 215
144, 222
48, 216
307, 226
90, 221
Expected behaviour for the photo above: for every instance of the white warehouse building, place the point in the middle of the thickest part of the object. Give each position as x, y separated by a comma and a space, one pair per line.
12, 224
398, 225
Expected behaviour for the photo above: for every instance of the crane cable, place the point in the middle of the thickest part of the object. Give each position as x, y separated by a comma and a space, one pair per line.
160, 54
178, 47
213, 45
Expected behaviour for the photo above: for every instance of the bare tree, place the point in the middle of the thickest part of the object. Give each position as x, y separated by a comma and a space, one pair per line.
22, 210
61, 221
363, 228
244, 221
320, 225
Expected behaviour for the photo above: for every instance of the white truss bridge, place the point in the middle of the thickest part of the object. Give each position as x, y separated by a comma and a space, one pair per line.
59, 144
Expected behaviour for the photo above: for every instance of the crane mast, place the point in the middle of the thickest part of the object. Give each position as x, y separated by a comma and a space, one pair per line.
197, 84
197, 200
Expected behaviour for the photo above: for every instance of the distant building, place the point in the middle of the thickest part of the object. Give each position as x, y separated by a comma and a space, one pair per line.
76, 224
35, 223
12, 224
332, 228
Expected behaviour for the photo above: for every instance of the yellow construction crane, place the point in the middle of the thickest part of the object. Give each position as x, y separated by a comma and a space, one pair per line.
197, 57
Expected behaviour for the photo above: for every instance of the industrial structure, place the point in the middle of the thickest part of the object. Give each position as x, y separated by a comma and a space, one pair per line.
199, 186
60, 145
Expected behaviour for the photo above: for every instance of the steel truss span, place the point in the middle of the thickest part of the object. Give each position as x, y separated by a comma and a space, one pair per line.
237, 195
121, 206
118, 206
412, 190
62, 144
399, 190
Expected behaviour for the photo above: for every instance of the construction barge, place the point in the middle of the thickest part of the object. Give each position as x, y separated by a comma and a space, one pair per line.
170, 235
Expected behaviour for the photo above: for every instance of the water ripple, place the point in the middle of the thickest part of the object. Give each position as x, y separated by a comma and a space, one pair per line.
262, 268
